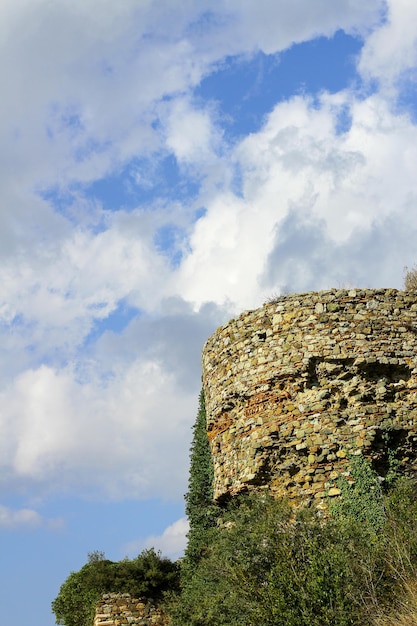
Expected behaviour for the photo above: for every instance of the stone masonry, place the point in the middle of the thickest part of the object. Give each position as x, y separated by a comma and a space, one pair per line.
293, 389
119, 609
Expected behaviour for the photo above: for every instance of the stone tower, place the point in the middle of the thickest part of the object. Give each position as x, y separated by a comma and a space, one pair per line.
293, 389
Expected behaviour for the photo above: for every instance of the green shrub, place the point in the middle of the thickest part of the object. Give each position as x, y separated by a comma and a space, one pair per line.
147, 576
263, 567
268, 565
74, 605
362, 500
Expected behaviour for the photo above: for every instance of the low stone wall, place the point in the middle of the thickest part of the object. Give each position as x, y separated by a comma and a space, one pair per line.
297, 386
116, 609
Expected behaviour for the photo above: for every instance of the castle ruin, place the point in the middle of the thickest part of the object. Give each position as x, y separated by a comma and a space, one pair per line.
295, 388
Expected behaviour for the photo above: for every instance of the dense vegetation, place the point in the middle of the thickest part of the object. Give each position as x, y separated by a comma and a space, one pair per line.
147, 576
267, 567
259, 562
263, 563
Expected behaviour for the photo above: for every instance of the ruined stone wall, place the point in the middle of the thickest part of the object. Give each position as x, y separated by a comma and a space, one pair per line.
118, 609
295, 388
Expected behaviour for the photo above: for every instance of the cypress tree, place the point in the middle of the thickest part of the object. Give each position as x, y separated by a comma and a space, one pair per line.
201, 511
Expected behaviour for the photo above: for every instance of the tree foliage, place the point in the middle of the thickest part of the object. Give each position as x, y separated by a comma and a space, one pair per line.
147, 576
201, 511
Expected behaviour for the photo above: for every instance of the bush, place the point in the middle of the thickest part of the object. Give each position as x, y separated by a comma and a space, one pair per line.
263, 567
147, 576
266, 564
362, 500
410, 278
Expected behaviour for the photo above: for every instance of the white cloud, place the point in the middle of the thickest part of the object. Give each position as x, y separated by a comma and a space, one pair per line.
85, 82
92, 86
83, 79
55, 293
172, 542
22, 517
25, 518
273, 25
123, 439
191, 135
344, 184
391, 51
117, 419
82, 84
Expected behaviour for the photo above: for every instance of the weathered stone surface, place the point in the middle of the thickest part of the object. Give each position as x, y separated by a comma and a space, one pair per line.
116, 609
296, 387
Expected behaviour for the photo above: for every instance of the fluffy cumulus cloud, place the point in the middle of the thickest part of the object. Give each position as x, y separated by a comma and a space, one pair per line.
117, 420
105, 302
170, 543
84, 79
315, 198
390, 53
109, 435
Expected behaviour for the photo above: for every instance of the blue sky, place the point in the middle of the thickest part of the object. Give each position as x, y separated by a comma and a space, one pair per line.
164, 166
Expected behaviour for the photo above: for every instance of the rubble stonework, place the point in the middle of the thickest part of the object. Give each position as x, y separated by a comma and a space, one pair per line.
118, 609
293, 389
